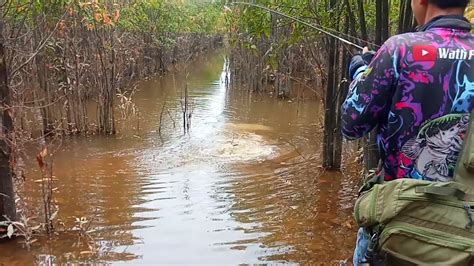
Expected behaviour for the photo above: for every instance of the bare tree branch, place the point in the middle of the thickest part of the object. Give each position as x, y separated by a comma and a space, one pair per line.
40, 47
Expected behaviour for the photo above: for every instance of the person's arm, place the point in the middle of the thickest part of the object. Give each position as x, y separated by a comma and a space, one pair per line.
369, 99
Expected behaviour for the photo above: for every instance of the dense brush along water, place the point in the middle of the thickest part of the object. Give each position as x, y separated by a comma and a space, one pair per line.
243, 186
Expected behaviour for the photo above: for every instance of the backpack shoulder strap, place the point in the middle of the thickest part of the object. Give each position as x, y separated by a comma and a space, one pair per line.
465, 167
468, 151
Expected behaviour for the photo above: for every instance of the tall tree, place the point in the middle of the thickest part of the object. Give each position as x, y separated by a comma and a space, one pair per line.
405, 21
329, 116
362, 21
385, 14
7, 200
382, 32
330, 150
343, 88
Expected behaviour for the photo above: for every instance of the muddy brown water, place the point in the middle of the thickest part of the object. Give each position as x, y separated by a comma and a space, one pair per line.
243, 187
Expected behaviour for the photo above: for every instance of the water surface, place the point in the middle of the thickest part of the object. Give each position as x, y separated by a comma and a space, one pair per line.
243, 186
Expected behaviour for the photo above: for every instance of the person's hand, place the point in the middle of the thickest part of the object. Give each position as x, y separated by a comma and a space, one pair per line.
356, 62
367, 55
360, 60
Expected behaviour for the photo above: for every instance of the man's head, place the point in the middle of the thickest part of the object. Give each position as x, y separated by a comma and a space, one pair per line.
425, 10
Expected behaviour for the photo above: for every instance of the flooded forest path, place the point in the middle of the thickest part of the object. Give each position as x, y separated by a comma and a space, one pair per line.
243, 186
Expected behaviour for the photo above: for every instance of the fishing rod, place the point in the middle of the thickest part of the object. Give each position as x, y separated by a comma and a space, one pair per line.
313, 26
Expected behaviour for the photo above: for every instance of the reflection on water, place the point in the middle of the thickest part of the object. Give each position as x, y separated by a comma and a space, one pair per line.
244, 186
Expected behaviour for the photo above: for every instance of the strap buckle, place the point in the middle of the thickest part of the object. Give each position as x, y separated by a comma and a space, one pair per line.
372, 250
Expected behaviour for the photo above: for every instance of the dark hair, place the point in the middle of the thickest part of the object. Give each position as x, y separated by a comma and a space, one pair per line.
450, 3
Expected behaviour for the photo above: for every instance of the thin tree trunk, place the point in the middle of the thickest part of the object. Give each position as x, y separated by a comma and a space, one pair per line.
407, 17
330, 121
371, 152
341, 96
385, 15
329, 117
378, 21
42, 74
363, 22
401, 16
350, 17
7, 199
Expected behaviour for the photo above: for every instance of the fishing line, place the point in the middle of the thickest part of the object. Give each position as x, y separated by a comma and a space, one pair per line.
319, 28
343, 34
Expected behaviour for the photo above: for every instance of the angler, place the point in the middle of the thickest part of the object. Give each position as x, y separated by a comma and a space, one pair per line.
418, 91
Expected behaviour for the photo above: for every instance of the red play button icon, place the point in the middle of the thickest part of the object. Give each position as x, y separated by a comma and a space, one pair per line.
425, 53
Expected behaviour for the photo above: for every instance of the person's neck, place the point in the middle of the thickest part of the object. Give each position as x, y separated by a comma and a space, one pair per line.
434, 11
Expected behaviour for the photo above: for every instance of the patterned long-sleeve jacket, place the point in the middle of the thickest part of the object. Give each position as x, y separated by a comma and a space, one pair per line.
419, 92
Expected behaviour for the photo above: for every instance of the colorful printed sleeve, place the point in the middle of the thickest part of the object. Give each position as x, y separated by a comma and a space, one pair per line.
369, 99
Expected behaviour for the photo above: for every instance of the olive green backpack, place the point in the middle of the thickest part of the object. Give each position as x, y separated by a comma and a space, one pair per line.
421, 222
